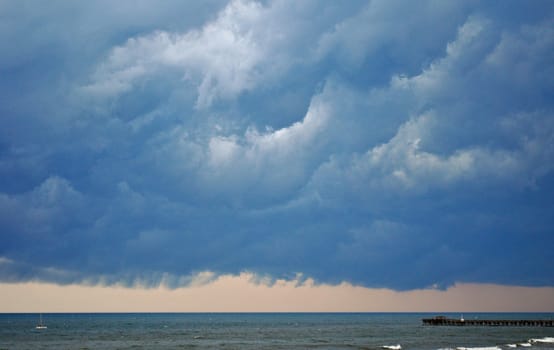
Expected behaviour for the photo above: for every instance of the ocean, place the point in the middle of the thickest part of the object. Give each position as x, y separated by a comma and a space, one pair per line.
262, 331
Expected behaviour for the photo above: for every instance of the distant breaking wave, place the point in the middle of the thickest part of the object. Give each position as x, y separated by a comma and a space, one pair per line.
549, 340
529, 343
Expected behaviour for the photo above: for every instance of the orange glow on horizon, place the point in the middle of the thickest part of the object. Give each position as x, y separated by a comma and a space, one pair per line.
241, 294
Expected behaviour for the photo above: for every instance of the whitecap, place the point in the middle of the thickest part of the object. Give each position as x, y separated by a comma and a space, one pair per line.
392, 347
525, 345
542, 340
480, 348
511, 345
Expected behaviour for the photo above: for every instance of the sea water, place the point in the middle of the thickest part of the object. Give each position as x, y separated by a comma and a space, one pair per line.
262, 331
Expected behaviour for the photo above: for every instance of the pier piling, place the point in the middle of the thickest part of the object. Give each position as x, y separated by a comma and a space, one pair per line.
443, 321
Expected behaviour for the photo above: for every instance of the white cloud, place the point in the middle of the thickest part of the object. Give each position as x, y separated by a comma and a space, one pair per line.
402, 166
411, 161
340, 121
247, 45
250, 165
220, 59
445, 76
271, 163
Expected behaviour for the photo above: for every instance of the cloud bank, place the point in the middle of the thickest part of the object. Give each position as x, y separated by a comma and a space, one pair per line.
382, 144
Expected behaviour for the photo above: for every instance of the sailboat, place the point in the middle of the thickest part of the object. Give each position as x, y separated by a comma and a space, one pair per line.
41, 325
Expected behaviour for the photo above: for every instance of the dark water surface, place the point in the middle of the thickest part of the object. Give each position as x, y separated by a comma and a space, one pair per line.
259, 331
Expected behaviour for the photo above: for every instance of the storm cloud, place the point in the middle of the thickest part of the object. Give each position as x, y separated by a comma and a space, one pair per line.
381, 143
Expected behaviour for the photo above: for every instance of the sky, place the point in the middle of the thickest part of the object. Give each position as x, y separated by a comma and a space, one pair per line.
375, 146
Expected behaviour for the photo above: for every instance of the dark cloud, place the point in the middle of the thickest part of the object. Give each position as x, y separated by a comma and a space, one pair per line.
381, 143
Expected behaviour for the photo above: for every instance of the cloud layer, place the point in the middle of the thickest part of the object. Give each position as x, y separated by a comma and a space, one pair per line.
384, 144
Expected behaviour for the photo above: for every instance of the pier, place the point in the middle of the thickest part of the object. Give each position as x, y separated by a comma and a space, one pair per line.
443, 321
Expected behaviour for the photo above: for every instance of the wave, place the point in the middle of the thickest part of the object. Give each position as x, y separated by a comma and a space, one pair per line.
529, 343
392, 347
549, 340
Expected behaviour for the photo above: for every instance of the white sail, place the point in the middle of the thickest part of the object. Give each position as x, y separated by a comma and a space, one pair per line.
41, 325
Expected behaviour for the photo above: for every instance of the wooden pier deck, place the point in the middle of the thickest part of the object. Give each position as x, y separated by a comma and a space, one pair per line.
443, 321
